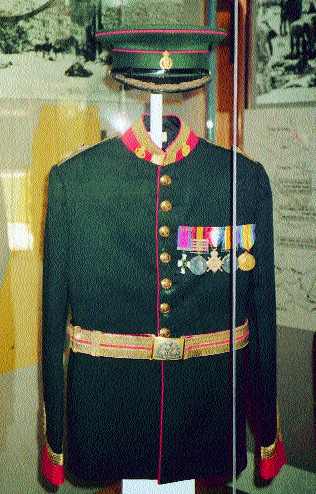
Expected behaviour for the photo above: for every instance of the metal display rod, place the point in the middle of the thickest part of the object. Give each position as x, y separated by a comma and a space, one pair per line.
234, 248
136, 486
156, 119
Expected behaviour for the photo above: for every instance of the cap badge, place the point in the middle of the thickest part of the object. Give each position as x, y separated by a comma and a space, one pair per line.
166, 62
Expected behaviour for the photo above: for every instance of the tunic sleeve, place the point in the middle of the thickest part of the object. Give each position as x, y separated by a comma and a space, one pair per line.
262, 346
55, 307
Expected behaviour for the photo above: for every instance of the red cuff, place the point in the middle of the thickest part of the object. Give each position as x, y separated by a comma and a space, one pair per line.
53, 473
269, 468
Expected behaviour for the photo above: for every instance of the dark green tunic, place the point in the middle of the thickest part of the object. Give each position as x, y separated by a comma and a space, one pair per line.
141, 418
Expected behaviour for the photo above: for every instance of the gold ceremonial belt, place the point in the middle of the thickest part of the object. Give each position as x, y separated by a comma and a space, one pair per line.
153, 347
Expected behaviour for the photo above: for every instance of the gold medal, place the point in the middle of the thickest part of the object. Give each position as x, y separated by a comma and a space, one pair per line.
166, 62
246, 261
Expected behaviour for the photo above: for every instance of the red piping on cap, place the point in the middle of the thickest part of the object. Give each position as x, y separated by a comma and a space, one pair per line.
155, 31
159, 52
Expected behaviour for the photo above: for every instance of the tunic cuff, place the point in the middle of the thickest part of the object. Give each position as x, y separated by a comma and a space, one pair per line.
52, 466
272, 461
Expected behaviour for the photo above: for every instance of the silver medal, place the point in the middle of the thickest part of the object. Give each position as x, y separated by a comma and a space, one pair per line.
197, 265
226, 263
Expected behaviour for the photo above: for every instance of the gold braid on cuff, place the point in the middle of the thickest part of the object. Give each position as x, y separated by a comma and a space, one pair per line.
268, 452
55, 458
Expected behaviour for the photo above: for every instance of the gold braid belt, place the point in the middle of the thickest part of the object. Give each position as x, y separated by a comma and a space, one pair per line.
153, 347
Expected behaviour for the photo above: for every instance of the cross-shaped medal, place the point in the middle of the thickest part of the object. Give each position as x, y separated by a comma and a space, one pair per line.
182, 263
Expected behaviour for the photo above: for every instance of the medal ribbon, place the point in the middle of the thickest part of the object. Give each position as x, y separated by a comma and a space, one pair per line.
246, 236
214, 235
198, 241
193, 238
226, 238
184, 238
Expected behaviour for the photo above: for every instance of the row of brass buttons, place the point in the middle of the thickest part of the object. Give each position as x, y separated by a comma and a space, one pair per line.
165, 257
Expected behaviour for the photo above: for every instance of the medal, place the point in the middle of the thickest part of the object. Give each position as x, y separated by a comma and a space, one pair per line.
197, 265
214, 263
182, 263
226, 263
214, 235
246, 261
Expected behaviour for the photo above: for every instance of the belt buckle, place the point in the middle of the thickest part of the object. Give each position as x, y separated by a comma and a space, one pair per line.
168, 348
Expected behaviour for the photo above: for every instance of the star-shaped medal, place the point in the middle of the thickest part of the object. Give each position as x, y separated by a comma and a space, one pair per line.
214, 263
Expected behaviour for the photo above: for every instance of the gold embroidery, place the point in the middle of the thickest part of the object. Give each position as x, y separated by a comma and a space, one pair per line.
268, 452
157, 159
185, 149
163, 87
55, 458
127, 346
158, 155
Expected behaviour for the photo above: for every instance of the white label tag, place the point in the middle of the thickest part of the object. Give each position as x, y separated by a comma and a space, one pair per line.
152, 487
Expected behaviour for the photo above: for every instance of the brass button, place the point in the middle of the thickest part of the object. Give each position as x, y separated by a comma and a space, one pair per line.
165, 180
166, 283
164, 231
165, 206
164, 308
185, 150
140, 152
165, 257
164, 332
158, 159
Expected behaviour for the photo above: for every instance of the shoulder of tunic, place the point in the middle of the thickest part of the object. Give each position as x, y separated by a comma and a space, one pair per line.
81, 149
247, 155
230, 149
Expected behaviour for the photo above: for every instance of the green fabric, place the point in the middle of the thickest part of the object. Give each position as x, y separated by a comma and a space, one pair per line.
134, 37
152, 61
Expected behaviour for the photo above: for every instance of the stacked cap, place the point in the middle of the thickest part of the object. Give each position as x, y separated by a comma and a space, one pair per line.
168, 58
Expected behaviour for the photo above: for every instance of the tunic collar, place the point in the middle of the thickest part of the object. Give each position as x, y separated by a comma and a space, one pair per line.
138, 141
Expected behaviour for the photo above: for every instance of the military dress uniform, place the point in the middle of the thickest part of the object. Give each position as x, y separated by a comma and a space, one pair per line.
137, 242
